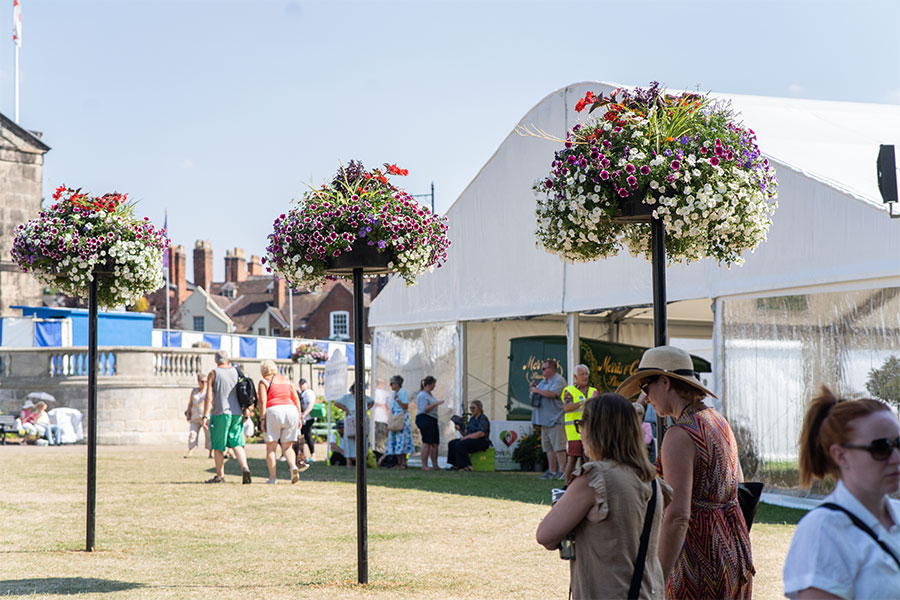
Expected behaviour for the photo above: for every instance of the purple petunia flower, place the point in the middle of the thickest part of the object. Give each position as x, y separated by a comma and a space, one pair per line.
623, 192
604, 175
675, 165
714, 161
645, 170
629, 168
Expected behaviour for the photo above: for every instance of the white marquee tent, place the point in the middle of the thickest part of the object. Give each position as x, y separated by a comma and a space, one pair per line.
830, 234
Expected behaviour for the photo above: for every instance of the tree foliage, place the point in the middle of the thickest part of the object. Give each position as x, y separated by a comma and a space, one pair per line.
884, 382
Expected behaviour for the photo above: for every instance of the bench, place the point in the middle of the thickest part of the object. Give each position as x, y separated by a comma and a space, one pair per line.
484, 460
7, 423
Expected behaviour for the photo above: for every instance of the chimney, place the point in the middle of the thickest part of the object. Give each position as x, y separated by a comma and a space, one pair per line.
254, 267
235, 265
203, 264
279, 291
177, 272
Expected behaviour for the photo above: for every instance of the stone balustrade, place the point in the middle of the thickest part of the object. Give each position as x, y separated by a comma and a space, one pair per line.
142, 393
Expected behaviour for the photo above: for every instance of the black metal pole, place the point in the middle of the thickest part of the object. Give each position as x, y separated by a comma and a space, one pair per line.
92, 415
362, 450
660, 330
658, 250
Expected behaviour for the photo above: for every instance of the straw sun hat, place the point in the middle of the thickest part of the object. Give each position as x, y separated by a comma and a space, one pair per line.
663, 360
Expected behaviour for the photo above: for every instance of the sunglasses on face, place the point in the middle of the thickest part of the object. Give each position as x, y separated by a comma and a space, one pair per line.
880, 449
645, 386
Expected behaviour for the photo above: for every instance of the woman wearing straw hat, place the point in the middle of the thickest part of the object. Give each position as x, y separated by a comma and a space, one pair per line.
704, 545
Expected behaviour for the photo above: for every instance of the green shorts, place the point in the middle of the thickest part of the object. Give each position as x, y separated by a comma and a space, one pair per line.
226, 431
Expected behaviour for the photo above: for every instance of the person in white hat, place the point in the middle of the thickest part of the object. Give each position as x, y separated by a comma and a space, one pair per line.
704, 545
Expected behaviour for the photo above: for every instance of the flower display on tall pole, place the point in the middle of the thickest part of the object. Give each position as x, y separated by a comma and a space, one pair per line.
92, 246
685, 157
80, 235
359, 208
358, 225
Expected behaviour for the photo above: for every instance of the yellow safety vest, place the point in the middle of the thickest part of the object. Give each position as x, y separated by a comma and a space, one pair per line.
577, 396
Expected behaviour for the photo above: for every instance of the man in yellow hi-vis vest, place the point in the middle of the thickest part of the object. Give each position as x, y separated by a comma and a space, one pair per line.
573, 401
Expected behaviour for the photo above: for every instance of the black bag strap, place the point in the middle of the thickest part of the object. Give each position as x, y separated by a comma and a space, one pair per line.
634, 592
858, 522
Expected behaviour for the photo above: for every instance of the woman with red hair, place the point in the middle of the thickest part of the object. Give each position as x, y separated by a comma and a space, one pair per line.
849, 547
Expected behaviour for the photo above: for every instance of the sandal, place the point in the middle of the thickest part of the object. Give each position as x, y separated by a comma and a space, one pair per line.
215, 479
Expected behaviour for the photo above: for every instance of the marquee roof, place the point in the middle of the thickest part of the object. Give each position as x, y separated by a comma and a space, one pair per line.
830, 232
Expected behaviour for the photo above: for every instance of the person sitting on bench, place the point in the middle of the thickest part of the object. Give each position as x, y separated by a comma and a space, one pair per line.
476, 438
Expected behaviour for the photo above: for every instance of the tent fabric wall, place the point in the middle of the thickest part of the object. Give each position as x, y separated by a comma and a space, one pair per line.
492, 225
414, 354
18, 332
779, 350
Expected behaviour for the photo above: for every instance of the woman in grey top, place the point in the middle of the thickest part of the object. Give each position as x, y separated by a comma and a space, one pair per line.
427, 422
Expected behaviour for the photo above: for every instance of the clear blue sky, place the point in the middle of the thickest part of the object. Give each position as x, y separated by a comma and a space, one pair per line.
221, 112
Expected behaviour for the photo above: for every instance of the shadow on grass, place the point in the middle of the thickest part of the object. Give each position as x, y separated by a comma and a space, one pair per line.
502, 485
64, 586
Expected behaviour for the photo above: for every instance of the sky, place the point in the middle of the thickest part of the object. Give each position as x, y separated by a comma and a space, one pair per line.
220, 113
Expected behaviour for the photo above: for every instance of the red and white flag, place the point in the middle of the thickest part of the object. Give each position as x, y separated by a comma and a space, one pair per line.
17, 21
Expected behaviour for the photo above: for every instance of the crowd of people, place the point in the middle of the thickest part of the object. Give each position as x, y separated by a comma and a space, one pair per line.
286, 423
640, 528
677, 530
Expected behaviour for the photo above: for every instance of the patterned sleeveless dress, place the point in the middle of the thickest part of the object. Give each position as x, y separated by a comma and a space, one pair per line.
715, 560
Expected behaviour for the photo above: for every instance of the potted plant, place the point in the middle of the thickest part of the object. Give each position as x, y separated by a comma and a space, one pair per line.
81, 237
528, 452
683, 158
358, 219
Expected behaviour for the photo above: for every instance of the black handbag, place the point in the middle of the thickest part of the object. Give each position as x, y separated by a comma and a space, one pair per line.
748, 498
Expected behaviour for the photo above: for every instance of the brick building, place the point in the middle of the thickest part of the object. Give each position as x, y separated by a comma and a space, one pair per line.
251, 300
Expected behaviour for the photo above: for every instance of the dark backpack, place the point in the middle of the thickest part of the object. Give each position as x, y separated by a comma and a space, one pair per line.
246, 391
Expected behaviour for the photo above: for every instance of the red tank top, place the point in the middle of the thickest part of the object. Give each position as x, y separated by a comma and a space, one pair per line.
279, 393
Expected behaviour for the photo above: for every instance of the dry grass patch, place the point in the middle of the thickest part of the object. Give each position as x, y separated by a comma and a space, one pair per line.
163, 534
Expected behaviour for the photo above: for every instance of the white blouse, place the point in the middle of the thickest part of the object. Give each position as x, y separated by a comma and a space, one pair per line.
830, 553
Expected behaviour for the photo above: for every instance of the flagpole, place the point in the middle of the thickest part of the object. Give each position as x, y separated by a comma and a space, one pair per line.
16, 111
17, 42
291, 313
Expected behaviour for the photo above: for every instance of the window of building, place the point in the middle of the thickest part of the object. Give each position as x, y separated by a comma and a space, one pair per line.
276, 331
261, 331
198, 324
340, 324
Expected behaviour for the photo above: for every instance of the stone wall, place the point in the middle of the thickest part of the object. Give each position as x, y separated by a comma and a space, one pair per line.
141, 392
21, 170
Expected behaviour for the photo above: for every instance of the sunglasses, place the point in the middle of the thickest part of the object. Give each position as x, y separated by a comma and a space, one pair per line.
880, 449
578, 423
647, 383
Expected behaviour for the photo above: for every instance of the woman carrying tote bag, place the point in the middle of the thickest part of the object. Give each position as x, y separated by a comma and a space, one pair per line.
614, 508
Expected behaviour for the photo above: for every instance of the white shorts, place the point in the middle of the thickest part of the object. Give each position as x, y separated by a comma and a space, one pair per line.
282, 423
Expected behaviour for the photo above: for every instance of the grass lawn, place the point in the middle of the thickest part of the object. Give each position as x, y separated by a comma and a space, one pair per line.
161, 533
